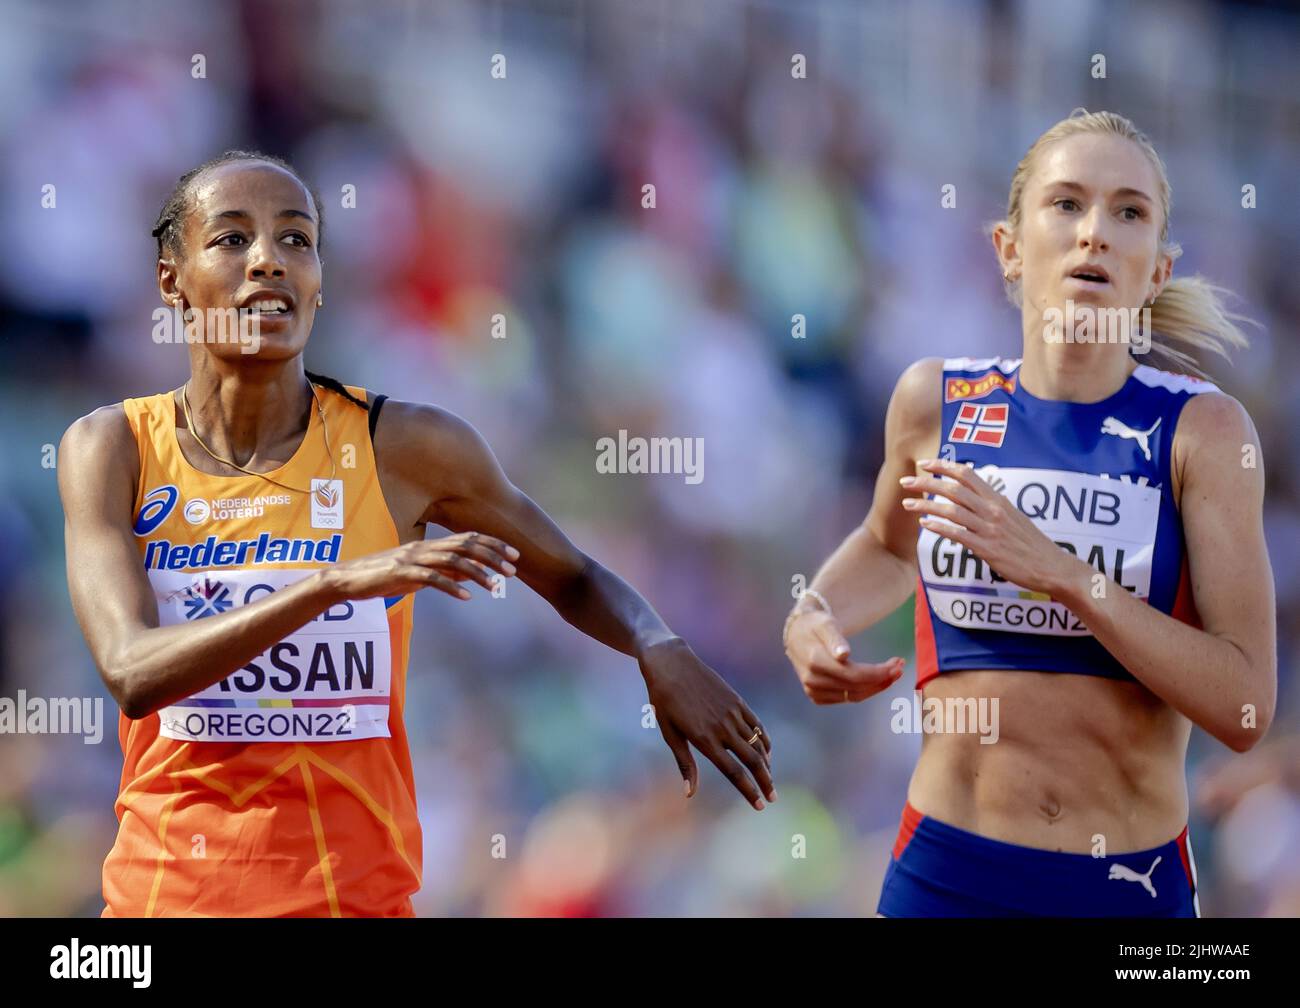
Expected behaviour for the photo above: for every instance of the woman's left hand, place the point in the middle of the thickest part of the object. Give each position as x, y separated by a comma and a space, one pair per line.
970, 512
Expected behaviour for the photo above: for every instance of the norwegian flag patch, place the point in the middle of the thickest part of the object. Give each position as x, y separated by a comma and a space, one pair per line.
981, 425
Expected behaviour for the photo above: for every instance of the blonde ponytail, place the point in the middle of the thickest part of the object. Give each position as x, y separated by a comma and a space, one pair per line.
1190, 312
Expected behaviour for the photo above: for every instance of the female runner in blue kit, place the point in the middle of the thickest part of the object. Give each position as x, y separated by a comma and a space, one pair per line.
1089, 565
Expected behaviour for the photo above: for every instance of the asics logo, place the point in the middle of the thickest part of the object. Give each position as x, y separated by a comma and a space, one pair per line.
157, 505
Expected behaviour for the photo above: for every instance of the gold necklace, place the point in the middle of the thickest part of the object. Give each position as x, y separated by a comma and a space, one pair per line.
189, 421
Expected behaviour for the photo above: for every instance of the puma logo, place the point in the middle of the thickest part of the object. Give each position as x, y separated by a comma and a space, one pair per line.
1119, 871
1120, 429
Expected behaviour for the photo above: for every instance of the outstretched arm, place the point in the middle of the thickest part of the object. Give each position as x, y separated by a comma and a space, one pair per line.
873, 571
444, 459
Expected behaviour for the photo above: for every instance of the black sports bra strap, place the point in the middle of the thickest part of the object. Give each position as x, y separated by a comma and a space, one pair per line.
375, 405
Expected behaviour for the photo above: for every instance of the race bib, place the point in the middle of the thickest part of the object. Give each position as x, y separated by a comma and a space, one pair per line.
1109, 523
328, 681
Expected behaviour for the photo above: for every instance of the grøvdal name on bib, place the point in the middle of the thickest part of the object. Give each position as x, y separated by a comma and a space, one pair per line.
1109, 523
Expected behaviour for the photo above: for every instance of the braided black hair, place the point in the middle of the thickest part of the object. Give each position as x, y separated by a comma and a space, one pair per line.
334, 385
167, 229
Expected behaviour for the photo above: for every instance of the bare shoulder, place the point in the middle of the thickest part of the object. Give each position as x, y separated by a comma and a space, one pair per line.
102, 436
916, 405
1212, 418
1216, 436
411, 434
917, 386
1215, 423
98, 450
104, 427
429, 447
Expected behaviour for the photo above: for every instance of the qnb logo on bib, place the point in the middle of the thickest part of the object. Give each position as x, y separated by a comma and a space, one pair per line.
328, 681
1108, 523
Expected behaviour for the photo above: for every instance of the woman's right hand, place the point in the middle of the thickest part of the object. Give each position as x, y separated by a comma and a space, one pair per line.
820, 655
430, 563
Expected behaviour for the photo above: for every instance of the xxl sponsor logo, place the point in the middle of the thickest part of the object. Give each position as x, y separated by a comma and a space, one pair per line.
1108, 523
975, 388
329, 680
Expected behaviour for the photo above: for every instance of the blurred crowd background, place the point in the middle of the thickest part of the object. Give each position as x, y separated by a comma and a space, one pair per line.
523, 195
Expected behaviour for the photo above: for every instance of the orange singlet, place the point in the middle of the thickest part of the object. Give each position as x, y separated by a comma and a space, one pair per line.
285, 788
